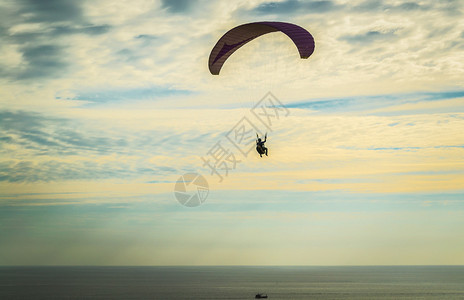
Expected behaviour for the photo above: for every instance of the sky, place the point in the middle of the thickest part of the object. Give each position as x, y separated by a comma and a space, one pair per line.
104, 105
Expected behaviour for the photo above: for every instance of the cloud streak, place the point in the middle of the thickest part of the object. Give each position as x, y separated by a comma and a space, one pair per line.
379, 104
38, 147
297, 7
36, 27
123, 95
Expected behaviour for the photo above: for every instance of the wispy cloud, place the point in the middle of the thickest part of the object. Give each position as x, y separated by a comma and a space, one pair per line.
178, 6
383, 6
90, 170
35, 27
297, 7
50, 11
37, 147
119, 95
378, 104
42, 61
370, 37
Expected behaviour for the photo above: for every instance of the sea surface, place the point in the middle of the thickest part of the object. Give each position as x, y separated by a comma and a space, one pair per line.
383, 282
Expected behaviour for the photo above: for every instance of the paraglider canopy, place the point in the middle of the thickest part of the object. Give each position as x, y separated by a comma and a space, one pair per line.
242, 34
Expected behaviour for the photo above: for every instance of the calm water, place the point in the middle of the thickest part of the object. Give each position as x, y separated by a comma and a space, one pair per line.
418, 282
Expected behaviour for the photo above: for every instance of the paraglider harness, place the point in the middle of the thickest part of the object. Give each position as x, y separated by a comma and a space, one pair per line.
260, 145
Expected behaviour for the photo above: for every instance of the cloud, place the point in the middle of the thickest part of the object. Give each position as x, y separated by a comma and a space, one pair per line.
44, 135
178, 6
132, 48
410, 6
443, 95
147, 37
452, 7
38, 61
42, 61
449, 8
51, 11
380, 5
299, 7
37, 29
120, 95
37, 147
90, 30
370, 37
296, 7
52, 170
376, 102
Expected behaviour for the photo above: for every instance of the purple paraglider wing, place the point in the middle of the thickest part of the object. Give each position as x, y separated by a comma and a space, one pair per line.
240, 35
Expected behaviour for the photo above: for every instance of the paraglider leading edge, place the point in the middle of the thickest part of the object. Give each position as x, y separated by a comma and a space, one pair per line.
242, 34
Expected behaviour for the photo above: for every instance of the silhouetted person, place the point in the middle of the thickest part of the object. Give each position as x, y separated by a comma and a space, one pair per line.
260, 145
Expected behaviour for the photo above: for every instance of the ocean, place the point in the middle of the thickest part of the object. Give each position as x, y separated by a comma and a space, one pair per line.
208, 282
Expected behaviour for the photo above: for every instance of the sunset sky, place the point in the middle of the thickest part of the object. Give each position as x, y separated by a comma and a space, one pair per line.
105, 104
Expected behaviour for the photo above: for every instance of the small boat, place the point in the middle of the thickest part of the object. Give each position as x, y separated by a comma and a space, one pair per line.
261, 296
